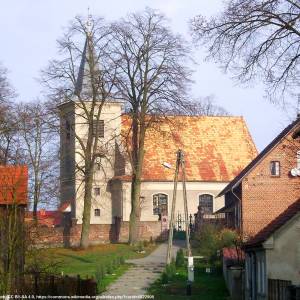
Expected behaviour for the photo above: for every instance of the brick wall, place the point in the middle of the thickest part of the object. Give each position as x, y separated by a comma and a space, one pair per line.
99, 233
264, 196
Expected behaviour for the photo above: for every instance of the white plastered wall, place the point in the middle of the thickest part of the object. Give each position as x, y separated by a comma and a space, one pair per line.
283, 252
112, 123
194, 190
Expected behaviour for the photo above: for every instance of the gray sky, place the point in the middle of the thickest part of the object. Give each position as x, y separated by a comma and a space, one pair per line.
30, 29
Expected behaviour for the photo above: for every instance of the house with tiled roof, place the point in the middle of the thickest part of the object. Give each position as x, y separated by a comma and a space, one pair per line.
216, 149
266, 186
272, 258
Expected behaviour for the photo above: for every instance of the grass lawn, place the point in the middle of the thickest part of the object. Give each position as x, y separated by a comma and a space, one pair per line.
206, 286
85, 262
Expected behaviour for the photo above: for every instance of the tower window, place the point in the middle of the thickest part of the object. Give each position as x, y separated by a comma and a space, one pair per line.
68, 130
98, 124
97, 191
97, 212
275, 168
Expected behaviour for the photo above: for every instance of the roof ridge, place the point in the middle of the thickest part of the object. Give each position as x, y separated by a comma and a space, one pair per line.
196, 116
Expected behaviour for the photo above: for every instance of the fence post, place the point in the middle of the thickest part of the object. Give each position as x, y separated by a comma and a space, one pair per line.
52, 292
78, 292
36, 286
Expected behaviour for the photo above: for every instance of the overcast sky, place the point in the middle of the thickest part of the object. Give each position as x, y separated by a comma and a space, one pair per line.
30, 28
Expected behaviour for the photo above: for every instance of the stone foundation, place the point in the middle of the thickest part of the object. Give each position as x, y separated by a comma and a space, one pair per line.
69, 236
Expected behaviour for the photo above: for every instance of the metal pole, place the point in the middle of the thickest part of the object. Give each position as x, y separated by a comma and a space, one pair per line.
170, 241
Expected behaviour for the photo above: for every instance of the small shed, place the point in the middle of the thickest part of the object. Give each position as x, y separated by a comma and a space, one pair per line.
272, 258
13, 201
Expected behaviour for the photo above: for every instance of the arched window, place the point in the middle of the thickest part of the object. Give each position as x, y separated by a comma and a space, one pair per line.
160, 204
206, 203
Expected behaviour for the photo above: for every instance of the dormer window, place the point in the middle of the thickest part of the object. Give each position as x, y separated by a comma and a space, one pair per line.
275, 168
98, 124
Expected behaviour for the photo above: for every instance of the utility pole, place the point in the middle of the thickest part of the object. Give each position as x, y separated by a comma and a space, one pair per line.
180, 163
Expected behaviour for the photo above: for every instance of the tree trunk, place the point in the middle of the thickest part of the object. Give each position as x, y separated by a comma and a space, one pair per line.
35, 203
138, 139
86, 216
135, 210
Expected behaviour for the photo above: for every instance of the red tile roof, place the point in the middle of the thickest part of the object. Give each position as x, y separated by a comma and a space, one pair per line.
237, 180
232, 254
215, 148
46, 217
13, 185
278, 222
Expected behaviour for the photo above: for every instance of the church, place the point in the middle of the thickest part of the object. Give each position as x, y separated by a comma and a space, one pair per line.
216, 149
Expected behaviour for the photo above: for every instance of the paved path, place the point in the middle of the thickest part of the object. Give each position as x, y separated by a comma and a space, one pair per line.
144, 272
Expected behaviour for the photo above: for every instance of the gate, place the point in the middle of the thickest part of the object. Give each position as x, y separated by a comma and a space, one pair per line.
180, 222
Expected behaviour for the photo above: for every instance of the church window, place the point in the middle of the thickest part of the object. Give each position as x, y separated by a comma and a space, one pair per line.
160, 204
206, 202
97, 212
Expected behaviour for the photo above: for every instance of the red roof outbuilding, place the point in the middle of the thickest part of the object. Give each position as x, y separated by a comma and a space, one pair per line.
13, 185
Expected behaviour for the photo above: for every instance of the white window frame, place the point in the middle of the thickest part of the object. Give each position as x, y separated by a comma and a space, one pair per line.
277, 167
213, 201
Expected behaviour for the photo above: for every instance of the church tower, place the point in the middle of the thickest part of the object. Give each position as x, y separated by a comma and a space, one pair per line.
73, 138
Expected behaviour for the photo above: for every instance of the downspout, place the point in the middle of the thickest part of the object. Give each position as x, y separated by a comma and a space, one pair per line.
239, 210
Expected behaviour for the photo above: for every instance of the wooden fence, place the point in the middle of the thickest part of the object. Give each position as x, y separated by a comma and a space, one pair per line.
278, 289
52, 285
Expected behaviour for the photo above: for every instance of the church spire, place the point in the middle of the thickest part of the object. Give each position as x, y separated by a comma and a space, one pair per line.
82, 81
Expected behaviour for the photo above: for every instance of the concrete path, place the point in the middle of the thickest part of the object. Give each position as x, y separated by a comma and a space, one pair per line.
140, 276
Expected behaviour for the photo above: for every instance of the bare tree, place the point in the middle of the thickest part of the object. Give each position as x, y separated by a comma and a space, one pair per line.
152, 79
256, 39
8, 130
201, 107
7, 92
84, 76
39, 144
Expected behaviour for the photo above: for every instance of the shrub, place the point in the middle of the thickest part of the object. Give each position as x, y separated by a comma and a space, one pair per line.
140, 246
228, 238
211, 239
164, 278
179, 258
109, 267
146, 243
122, 260
171, 270
98, 274
117, 262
